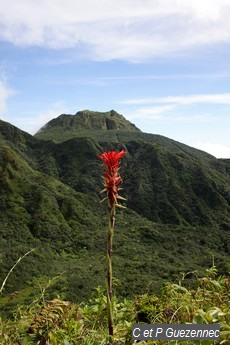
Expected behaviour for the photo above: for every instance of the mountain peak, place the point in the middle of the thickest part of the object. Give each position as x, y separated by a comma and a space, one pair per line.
90, 120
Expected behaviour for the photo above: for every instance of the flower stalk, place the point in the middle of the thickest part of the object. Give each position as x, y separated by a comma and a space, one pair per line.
109, 270
111, 181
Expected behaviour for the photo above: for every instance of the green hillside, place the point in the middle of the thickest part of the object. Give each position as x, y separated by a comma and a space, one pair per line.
177, 216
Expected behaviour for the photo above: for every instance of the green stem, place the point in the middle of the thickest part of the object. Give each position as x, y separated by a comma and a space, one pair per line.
12, 268
109, 270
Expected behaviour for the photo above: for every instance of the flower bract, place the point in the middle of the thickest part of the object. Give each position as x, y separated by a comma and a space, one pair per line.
112, 178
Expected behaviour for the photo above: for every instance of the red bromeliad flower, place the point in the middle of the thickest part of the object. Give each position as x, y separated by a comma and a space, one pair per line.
111, 176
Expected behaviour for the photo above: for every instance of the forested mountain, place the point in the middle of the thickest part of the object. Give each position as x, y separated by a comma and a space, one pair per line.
177, 216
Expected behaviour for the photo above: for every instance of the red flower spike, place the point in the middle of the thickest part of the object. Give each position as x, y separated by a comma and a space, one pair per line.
111, 176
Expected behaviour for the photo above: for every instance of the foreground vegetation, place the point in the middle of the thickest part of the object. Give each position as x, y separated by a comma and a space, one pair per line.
59, 322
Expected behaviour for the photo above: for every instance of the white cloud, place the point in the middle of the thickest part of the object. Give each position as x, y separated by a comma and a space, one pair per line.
199, 99
177, 108
121, 29
215, 149
153, 113
5, 93
33, 123
223, 98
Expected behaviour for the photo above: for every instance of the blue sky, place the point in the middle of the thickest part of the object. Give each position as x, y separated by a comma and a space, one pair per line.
163, 64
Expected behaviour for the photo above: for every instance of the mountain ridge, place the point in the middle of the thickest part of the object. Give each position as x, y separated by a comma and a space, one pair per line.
166, 154
67, 126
